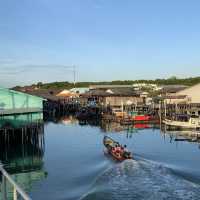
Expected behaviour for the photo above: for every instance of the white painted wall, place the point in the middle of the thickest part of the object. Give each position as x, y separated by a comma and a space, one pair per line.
192, 92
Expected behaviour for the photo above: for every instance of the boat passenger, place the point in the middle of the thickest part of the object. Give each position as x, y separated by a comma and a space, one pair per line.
119, 149
125, 148
118, 155
126, 152
114, 149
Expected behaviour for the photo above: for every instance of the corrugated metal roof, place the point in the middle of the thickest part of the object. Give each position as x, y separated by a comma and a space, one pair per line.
14, 102
112, 92
109, 86
18, 92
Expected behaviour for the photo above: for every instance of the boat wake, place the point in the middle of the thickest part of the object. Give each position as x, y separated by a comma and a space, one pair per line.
142, 180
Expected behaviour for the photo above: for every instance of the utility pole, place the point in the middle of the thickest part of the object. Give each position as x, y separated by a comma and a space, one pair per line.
74, 71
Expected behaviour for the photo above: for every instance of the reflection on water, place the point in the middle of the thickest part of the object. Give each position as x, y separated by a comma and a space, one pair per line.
111, 127
166, 164
18, 121
192, 136
22, 148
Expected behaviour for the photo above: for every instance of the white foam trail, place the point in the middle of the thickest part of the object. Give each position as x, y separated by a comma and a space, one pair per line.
142, 180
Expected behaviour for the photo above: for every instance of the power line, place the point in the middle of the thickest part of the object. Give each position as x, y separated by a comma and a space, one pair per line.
18, 70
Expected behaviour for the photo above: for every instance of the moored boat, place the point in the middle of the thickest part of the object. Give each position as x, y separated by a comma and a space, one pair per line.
140, 117
193, 123
126, 121
88, 113
110, 144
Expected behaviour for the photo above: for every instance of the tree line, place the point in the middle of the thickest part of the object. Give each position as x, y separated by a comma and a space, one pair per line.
170, 81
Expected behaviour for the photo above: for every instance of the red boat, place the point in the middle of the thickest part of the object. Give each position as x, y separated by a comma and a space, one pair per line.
109, 143
142, 118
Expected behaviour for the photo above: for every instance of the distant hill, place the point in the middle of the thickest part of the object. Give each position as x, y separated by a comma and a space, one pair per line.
68, 85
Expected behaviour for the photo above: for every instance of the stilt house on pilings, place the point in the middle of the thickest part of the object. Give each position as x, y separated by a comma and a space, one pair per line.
113, 96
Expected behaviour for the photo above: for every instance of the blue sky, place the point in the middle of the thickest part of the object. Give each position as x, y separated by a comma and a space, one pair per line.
105, 39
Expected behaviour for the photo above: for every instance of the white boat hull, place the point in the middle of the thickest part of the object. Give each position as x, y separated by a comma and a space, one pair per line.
190, 124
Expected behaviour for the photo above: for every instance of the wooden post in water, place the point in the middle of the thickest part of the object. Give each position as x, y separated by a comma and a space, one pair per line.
122, 104
160, 114
165, 106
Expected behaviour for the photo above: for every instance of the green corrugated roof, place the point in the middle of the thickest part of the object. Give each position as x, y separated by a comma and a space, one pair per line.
20, 93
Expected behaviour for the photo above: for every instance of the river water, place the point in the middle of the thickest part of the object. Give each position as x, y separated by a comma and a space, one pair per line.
73, 165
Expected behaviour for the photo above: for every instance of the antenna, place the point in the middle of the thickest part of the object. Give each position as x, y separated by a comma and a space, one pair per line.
74, 70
